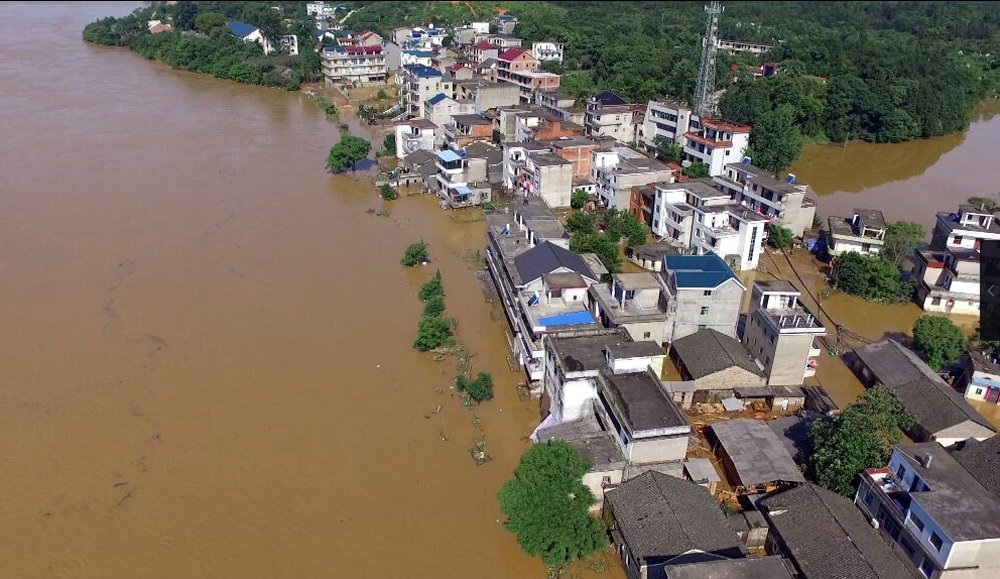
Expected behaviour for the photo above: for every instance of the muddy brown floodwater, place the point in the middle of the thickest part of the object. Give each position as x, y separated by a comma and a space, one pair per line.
907, 181
205, 341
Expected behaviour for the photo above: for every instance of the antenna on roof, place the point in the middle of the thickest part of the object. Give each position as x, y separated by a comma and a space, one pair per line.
790, 179
746, 161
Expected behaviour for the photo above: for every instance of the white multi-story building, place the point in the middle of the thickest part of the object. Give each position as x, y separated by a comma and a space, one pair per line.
699, 216
363, 64
547, 51
415, 135
735, 46
715, 143
320, 9
609, 115
418, 84
948, 273
782, 202
667, 119
616, 171
862, 232
940, 519
780, 333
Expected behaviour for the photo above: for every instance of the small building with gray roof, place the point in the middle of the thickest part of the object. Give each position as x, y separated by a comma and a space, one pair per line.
942, 414
753, 457
716, 364
658, 521
763, 568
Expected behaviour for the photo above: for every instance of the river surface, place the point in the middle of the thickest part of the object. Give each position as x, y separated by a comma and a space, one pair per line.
205, 341
909, 181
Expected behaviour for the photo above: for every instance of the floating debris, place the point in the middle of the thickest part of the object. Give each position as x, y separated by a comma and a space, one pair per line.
479, 453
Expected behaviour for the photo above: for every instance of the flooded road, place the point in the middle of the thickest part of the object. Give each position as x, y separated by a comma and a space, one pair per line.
907, 181
205, 341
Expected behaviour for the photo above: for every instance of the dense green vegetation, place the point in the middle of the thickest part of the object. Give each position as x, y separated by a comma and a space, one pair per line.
416, 253
779, 237
547, 505
348, 152
479, 388
601, 234
878, 71
938, 341
860, 437
901, 239
872, 277
200, 41
433, 330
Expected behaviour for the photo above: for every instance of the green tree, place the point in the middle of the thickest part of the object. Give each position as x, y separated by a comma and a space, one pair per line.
667, 150
432, 288
579, 199
347, 153
268, 20
382, 96
389, 144
937, 340
600, 244
776, 140
185, 15
497, 137
434, 307
207, 22
872, 277
860, 437
582, 222
696, 170
901, 239
433, 333
547, 505
619, 224
779, 237
479, 388
416, 253
387, 192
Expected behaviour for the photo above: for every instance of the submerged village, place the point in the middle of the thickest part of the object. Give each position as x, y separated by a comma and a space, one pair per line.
632, 249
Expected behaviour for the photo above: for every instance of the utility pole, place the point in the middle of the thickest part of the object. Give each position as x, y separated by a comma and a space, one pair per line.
704, 103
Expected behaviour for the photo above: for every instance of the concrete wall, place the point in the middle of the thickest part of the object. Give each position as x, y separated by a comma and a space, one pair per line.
723, 311
960, 432
639, 364
984, 554
788, 357
556, 184
594, 480
643, 451
655, 331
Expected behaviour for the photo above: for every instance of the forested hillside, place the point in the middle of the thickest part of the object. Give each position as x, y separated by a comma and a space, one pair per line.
891, 71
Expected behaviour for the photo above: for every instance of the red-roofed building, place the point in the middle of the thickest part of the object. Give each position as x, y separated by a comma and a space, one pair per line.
520, 67
483, 50
766, 69
365, 38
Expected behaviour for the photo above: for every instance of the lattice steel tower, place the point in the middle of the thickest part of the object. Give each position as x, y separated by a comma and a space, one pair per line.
704, 103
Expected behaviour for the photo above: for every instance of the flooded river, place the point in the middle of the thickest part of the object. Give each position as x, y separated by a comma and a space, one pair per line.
907, 181
205, 341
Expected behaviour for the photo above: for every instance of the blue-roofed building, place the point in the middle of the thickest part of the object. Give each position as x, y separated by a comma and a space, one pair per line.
703, 293
242, 30
420, 57
418, 84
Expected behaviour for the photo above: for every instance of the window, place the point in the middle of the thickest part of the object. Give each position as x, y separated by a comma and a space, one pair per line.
908, 547
645, 335
936, 541
927, 568
704, 310
707, 293
979, 391
900, 472
935, 301
957, 240
918, 523
702, 327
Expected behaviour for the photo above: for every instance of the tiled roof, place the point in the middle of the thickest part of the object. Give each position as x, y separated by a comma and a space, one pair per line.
609, 98
548, 257
511, 53
756, 452
708, 351
662, 516
483, 45
437, 98
827, 537
707, 271
982, 460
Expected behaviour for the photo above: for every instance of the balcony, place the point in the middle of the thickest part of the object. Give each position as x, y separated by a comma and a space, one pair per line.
890, 491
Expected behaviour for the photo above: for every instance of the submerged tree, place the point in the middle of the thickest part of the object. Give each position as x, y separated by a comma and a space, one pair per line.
937, 340
347, 153
548, 507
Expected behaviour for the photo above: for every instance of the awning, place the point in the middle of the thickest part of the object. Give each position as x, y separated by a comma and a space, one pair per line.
448, 156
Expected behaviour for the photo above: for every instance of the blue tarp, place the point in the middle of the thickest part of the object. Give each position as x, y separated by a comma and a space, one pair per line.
985, 382
463, 190
448, 156
568, 319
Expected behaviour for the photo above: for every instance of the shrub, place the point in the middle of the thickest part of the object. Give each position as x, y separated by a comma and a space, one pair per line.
387, 192
434, 307
432, 288
579, 199
479, 388
415, 254
780, 237
433, 333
